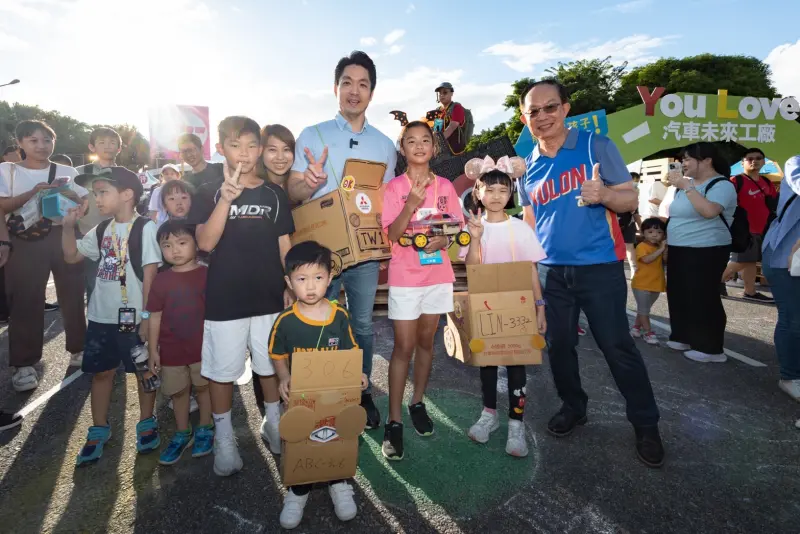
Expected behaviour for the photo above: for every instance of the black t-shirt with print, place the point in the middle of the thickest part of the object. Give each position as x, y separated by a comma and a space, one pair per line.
245, 275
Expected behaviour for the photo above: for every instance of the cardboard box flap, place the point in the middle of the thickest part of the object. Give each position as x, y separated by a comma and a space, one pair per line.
326, 370
368, 174
492, 278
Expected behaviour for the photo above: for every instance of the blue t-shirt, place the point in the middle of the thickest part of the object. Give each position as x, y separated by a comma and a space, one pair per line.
687, 228
572, 234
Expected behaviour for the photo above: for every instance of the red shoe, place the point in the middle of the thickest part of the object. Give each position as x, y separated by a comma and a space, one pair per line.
581, 331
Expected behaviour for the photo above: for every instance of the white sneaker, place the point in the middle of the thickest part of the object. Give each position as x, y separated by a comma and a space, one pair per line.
247, 376
343, 503
791, 387
674, 345
488, 423
293, 506
636, 331
650, 338
702, 357
226, 455
271, 435
193, 406
516, 444
76, 360
24, 379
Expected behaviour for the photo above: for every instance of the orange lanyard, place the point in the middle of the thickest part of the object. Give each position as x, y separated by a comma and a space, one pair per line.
510, 239
121, 252
435, 188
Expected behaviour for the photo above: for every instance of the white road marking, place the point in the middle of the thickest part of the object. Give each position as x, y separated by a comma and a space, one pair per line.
733, 354
636, 133
55, 389
240, 520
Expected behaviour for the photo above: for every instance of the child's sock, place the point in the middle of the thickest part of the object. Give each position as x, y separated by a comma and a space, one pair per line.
223, 423
273, 410
490, 410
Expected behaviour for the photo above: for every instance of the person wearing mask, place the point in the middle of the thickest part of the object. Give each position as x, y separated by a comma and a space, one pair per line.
780, 254
699, 245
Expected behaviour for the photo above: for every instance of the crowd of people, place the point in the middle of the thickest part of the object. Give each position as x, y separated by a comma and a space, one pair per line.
210, 273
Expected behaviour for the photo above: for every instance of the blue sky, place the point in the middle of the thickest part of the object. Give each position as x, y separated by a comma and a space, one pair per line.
274, 60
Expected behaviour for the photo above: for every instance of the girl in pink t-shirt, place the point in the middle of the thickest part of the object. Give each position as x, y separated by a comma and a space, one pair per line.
498, 238
420, 281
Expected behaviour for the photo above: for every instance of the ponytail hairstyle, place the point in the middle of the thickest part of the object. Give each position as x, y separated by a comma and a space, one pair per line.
704, 150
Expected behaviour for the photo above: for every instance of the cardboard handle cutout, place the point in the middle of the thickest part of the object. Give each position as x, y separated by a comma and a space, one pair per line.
351, 422
296, 424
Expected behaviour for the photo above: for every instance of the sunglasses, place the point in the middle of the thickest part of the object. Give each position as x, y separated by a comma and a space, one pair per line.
549, 109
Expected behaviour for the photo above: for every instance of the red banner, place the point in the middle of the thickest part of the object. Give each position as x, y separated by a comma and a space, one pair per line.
167, 123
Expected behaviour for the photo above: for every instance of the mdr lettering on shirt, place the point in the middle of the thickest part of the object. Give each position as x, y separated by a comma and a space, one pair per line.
571, 234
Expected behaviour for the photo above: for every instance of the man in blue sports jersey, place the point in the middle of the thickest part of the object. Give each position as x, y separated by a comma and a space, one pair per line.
575, 184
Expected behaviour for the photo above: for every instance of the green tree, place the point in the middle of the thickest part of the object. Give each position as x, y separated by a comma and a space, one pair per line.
72, 135
740, 75
135, 148
591, 83
513, 127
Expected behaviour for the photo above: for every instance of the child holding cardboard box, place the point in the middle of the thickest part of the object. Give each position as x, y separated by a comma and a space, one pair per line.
420, 281
312, 323
498, 238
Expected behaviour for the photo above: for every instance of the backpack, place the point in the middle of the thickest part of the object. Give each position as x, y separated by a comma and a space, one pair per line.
468, 128
783, 212
771, 202
739, 227
134, 243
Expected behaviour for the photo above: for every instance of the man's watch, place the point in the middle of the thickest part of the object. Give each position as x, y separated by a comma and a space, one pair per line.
7, 244
145, 315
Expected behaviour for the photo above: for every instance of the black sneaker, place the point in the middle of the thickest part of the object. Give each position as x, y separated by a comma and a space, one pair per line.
9, 420
51, 307
758, 297
373, 415
564, 422
419, 418
649, 448
723, 289
392, 448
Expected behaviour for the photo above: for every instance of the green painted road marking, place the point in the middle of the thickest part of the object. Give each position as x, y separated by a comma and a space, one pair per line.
462, 477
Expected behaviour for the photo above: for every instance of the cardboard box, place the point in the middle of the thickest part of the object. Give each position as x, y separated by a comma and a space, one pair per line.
321, 427
348, 220
494, 323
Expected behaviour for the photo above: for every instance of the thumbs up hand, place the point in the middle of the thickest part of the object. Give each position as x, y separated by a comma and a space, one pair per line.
594, 191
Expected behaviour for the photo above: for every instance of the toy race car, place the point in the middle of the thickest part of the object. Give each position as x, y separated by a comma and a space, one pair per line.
419, 232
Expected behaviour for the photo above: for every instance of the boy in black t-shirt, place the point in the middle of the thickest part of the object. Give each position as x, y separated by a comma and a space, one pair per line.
247, 233
312, 323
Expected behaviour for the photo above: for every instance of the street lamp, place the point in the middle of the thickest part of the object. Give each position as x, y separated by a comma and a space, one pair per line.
12, 82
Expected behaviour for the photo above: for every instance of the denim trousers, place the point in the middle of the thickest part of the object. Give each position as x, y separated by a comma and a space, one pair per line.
360, 285
601, 292
786, 291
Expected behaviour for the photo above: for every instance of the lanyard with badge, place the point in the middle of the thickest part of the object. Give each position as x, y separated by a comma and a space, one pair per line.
127, 316
426, 258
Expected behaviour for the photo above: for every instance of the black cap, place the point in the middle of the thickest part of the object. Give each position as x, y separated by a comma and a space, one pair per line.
444, 85
119, 176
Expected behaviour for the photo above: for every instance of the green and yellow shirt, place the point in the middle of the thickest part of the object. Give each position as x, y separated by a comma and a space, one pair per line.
293, 332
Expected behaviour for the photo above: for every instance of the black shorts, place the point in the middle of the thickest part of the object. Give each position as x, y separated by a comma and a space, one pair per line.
753, 252
106, 347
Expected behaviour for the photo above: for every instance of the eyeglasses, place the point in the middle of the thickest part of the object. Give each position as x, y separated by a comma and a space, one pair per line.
549, 109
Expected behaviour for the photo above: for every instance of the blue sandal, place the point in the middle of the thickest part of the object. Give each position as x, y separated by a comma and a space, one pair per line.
92, 450
147, 438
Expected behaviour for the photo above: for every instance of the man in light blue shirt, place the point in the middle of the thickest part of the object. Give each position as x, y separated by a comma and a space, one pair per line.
320, 153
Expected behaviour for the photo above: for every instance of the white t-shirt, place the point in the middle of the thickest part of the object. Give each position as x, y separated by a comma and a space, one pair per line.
156, 205
107, 297
647, 191
26, 179
506, 241
663, 208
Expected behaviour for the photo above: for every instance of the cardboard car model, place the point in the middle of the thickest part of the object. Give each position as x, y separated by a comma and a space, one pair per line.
320, 429
419, 232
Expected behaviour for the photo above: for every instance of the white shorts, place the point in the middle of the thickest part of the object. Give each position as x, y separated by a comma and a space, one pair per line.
408, 303
225, 344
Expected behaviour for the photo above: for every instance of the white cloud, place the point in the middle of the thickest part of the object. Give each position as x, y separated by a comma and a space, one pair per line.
636, 50
25, 9
627, 7
236, 9
10, 42
395, 49
393, 36
411, 8
367, 41
784, 61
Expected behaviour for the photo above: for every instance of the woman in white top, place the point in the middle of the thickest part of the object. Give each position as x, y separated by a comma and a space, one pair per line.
699, 245
35, 253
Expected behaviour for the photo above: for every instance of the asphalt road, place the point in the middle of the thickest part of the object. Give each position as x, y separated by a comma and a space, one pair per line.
732, 463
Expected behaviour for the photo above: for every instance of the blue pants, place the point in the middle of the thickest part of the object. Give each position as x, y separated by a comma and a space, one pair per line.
786, 290
360, 286
601, 292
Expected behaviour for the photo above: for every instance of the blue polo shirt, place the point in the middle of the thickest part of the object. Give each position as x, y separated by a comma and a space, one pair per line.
572, 234
336, 134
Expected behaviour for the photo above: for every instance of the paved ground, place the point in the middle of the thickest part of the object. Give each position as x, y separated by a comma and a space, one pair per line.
732, 457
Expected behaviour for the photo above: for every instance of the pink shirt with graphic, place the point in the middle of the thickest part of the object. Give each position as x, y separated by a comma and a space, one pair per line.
507, 241
405, 269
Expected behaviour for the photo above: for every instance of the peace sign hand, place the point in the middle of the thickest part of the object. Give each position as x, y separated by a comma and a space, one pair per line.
231, 189
315, 174
475, 225
232, 179
417, 194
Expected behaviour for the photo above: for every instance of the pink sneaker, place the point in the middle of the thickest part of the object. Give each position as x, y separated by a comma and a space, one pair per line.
636, 331
650, 338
